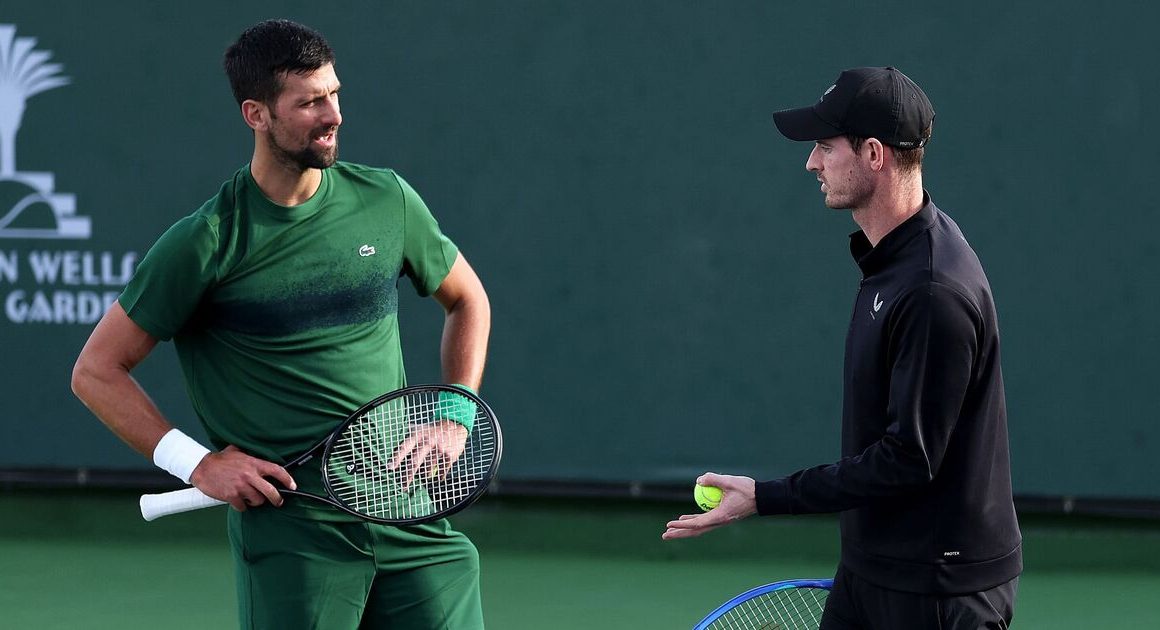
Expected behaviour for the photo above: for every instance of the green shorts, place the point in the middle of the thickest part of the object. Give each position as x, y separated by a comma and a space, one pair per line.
295, 572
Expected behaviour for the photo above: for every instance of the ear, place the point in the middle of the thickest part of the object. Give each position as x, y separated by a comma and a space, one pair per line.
256, 114
875, 154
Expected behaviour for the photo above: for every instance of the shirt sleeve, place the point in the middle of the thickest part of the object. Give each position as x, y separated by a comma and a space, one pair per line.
168, 285
933, 344
427, 253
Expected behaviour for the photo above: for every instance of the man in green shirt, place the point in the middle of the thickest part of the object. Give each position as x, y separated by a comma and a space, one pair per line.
280, 296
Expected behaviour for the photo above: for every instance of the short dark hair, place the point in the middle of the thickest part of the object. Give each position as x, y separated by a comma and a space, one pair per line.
265, 52
907, 159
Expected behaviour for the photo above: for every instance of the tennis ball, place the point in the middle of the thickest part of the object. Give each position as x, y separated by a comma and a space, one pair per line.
707, 497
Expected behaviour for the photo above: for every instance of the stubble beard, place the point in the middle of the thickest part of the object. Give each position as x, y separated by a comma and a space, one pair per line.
857, 194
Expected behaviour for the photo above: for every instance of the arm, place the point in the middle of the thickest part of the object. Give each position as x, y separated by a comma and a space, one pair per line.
933, 346
101, 379
463, 350
426, 253
933, 349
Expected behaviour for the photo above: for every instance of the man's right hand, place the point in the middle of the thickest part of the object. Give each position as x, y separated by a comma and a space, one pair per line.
738, 501
239, 479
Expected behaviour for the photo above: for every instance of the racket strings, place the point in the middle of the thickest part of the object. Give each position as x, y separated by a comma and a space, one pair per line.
358, 465
783, 609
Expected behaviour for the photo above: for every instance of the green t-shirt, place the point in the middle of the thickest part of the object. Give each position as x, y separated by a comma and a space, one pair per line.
285, 319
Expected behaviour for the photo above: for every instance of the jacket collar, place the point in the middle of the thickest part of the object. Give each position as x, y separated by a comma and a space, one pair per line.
872, 259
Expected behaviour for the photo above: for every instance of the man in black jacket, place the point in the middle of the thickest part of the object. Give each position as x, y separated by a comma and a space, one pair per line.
929, 533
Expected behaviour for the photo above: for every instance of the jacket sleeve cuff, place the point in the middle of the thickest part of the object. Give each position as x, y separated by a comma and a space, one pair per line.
772, 497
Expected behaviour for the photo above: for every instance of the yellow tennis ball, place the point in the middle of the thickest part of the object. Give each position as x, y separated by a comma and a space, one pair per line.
707, 497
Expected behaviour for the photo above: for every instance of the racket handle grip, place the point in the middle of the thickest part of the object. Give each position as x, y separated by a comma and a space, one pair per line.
154, 506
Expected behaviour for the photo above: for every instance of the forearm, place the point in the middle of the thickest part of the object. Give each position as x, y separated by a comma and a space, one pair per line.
882, 471
463, 350
101, 379
116, 398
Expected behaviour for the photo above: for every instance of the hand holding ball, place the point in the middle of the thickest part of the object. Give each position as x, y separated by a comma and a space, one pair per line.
707, 497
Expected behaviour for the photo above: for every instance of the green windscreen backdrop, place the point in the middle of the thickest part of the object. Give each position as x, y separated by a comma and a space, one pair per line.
669, 294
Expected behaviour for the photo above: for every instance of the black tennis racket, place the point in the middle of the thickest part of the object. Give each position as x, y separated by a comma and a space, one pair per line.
788, 605
370, 470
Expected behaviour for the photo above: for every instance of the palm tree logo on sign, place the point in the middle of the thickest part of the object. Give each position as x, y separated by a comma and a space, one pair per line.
29, 207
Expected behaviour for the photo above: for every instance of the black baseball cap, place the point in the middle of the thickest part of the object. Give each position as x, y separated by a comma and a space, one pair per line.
877, 103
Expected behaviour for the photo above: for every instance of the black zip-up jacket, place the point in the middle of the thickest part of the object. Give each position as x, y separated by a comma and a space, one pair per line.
924, 482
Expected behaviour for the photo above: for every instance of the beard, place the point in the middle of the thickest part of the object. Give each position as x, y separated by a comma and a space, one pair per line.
855, 193
306, 157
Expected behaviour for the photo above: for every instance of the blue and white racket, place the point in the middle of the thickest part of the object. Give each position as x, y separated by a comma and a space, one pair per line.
787, 605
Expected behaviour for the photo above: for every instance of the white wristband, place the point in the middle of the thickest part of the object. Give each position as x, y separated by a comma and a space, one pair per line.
178, 454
